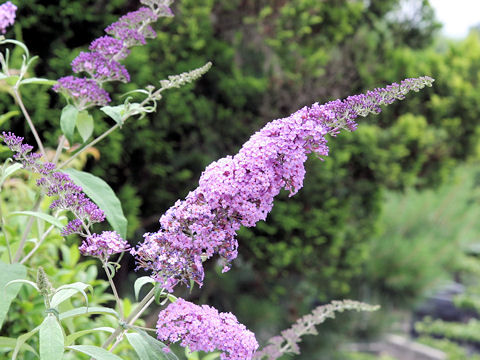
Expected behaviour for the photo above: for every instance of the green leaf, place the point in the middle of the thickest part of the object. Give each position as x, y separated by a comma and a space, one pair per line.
102, 194
159, 292
87, 311
39, 81
48, 218
8, 115
68, 121
85, 124
140, 282
72, 337
94, 351
8, 273
51, 339
12, 80
115, 112
9, 170
212, 356
148, 348
8, 344
22, 281
21, 340
67, 291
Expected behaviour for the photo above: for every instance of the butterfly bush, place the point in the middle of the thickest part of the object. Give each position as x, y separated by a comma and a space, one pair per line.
234, 191
239, 190
204, 328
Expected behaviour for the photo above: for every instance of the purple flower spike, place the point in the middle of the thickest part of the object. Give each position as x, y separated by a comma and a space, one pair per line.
55, 183
239, 191
104, 245
84, 92
132, 28
204, 328
7, 16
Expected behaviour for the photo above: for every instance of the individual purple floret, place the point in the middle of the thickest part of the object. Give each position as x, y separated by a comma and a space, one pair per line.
84, 92
239, 191
7, 16
104, 245
55, 183
204, 328
100, 67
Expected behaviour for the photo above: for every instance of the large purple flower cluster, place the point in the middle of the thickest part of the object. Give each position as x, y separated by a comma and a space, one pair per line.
55, 183
239, 190
204, 328
7, 16
101, 62
103, 245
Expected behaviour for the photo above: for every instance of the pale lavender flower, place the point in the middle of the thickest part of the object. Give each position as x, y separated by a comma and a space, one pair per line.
239, 191
104, 245
55, 183
204, 328
7, 16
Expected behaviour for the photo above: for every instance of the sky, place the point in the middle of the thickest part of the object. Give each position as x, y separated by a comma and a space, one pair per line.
457, 16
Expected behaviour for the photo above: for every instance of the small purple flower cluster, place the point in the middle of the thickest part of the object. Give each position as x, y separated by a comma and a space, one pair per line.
54, 183
239, 191
101, 63
7, 16
204, 328
104, 245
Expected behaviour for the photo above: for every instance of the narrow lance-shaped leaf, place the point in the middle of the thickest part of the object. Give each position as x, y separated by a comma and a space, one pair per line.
68, 121
102, 194
8, 273
48, 218
140, 282
148, 348
85, 124
96, 352
51, 339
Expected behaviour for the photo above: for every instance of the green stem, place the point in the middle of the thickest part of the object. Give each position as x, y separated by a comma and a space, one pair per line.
2, 225
59, 149
18, 98
37, 245
26, 232
89, 145
131, 322
114, 289
133, 316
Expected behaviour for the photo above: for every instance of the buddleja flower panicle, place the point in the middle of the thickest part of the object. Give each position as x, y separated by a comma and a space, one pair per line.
103, 245
55, 183
101, 63
288, 341
203, 328
239, 190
